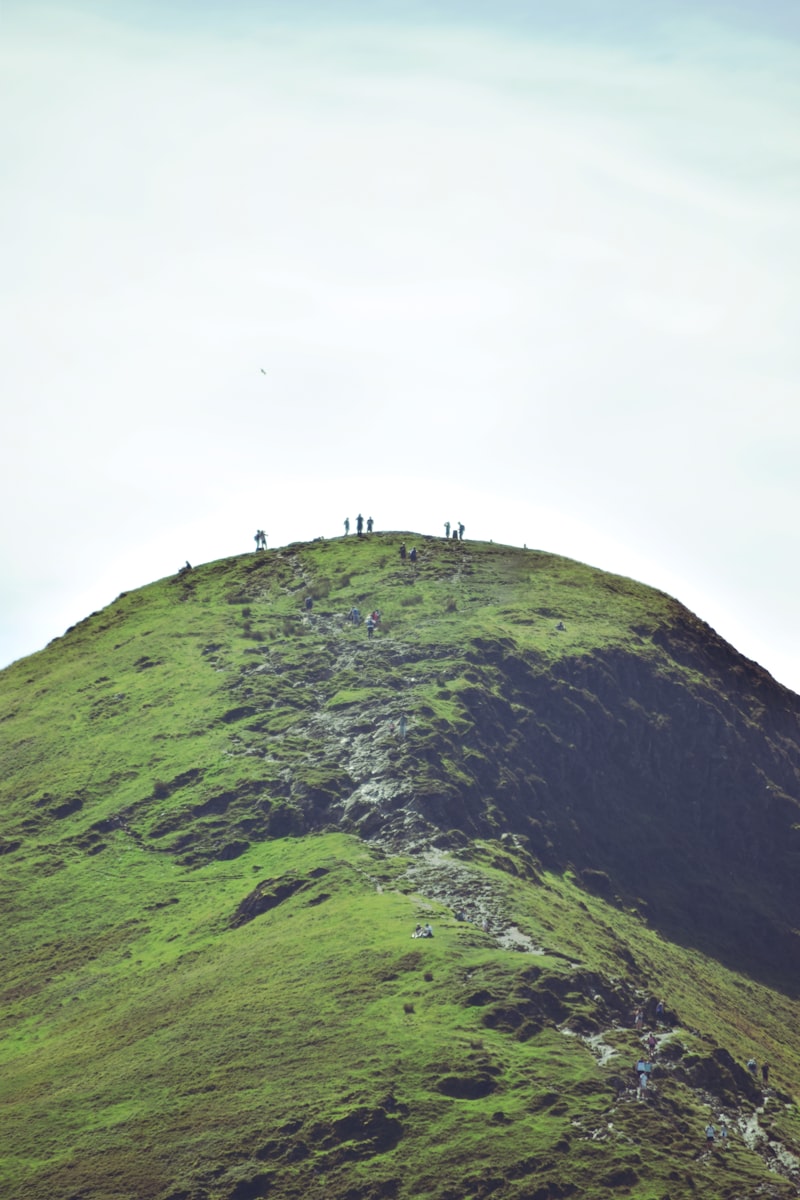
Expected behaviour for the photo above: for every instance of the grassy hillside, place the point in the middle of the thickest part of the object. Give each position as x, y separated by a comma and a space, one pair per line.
216, 844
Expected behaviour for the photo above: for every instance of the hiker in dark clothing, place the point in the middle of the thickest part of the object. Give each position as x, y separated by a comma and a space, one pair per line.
460, 531
765, 1073
370, 626
413, 554
447, 529
346, 526
359, 525
370, 523
403, 550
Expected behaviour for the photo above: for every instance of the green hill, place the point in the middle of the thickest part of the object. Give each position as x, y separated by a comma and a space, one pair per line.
224, 813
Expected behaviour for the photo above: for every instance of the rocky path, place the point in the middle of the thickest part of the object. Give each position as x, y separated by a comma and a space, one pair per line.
439, 876
448, 880
741, 1119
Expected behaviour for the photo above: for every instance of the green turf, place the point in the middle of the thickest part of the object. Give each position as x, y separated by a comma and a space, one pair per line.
172, 760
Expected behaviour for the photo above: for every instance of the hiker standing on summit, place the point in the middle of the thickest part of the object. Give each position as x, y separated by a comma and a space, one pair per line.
360, 525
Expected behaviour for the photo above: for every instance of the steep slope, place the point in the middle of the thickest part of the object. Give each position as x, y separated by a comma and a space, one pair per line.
224, 812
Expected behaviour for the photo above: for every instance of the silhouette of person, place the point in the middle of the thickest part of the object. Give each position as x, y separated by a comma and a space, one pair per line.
460, 531
447, 529
402, 550
346, 526
413, 554
359, 525
370, 523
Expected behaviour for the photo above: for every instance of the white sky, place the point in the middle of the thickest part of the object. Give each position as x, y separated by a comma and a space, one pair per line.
536, 274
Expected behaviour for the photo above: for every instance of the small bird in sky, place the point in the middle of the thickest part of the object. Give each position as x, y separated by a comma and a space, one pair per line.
263, 372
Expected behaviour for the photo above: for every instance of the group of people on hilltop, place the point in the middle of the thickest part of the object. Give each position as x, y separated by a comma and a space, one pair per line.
359, 525
457, 534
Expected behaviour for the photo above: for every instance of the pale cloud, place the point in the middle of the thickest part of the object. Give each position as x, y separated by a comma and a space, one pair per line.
553, 273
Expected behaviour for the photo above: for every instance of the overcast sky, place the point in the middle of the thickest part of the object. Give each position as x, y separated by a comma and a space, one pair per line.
533, 267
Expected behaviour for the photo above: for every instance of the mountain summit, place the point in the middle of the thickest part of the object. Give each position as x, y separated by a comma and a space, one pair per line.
229, 798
